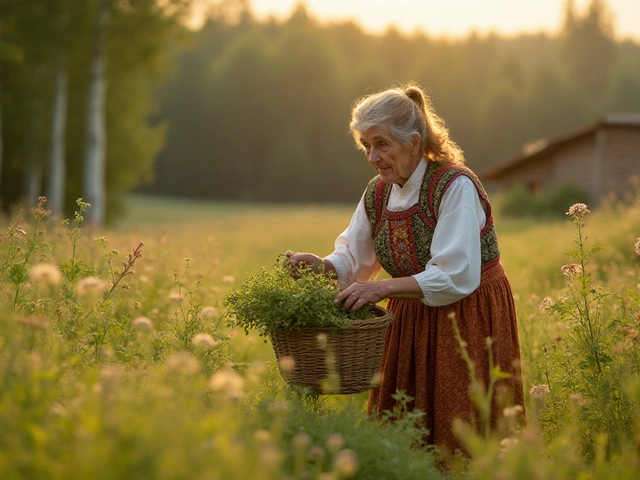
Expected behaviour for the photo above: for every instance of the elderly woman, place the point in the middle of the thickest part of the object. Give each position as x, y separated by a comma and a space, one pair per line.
426, 220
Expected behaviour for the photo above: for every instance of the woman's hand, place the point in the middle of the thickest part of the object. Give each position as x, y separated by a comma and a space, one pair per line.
358, 294
308, 260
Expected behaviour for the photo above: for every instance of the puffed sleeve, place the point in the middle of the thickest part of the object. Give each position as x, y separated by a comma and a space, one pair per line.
454, 269
354, 256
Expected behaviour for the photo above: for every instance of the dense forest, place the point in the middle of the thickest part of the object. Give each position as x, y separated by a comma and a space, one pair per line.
257, 110
260, 110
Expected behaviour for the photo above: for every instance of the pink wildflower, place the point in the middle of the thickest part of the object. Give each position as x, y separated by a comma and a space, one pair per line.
571, 269
578, 210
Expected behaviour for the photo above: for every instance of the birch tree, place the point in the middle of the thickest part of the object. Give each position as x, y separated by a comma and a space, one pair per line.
57, 167
56, 180
94, 189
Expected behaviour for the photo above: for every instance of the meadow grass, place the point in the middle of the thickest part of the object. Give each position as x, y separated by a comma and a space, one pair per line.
108, 374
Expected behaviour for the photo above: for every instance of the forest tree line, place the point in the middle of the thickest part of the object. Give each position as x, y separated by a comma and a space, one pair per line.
258, 110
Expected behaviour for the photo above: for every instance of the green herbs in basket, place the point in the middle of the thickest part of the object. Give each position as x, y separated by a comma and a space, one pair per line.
272, 301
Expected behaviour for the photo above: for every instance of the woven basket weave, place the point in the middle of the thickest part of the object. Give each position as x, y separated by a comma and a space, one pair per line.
346, 363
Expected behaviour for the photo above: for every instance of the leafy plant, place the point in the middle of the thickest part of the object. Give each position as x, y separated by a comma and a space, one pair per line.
272, 300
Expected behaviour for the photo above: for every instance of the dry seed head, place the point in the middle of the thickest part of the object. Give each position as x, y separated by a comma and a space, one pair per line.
301, 441
637, 246
513, 412
334, 442
287, 364
45, 274
91, 286
346, 463
204, 340
228, 381
183, 362
210, 312
143, 323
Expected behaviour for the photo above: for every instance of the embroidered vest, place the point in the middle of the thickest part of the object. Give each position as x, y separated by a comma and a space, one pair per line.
402, 240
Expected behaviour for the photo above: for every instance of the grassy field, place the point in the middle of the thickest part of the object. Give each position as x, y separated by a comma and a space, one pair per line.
109, 375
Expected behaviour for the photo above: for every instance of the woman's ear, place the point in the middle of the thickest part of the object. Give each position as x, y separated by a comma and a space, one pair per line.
415, 143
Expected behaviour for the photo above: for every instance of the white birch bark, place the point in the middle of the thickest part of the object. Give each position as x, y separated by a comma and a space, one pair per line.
57, 167
94, 189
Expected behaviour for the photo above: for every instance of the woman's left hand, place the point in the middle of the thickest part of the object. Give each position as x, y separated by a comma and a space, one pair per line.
358, 294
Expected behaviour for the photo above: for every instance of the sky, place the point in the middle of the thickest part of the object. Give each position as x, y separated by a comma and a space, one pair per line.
456, 17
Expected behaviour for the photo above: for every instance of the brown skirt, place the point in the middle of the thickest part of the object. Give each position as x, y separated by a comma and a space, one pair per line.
422, 358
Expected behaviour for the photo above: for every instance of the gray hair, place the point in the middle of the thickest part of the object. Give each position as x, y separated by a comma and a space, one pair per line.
401, 109
406, 110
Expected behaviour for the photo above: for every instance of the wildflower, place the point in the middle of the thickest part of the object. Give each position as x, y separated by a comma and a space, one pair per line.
637, 246
540, 390
578, 400
301, 441
58, 410
210, 311
287, 363
91, 286
317, 453
35, 323
512, 412
228, 279
262, 436
183, 362
545, 305
629, 332
45, 274
571, 269
204, 340
376, 380
228, 381
506, 444
175, 296
346, 463
18, 233
271, 456
578, 210
322, 340
143, 323
137, 305
334, 442
279, 408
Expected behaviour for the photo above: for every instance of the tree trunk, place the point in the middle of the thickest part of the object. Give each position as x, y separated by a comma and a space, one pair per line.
94, 189
57, 168
1, 138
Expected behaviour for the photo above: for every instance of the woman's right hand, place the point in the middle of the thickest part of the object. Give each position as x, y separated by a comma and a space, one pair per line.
299, 260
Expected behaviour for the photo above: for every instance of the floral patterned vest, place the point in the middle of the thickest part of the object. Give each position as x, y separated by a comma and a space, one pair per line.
402, 240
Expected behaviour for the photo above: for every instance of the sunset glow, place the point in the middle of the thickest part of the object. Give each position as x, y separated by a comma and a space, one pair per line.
455, 17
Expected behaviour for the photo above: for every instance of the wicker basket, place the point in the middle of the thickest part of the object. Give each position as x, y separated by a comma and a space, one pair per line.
346, 363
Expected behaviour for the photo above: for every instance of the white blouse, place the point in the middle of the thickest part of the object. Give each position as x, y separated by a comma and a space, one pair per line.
454, 269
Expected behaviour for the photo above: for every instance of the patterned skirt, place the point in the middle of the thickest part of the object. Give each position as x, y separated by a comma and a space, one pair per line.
422, 358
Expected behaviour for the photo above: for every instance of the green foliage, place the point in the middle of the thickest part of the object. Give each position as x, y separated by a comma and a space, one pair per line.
590, 367
271, 300
521, 203
146, 381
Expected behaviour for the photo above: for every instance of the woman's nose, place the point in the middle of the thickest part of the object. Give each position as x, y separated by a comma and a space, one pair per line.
372, 156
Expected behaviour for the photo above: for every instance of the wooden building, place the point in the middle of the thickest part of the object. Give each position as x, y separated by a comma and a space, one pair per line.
602, 158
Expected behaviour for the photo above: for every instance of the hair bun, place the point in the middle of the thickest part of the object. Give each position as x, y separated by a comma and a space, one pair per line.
415, 94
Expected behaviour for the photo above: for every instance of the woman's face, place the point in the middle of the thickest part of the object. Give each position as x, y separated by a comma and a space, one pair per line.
393, 161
